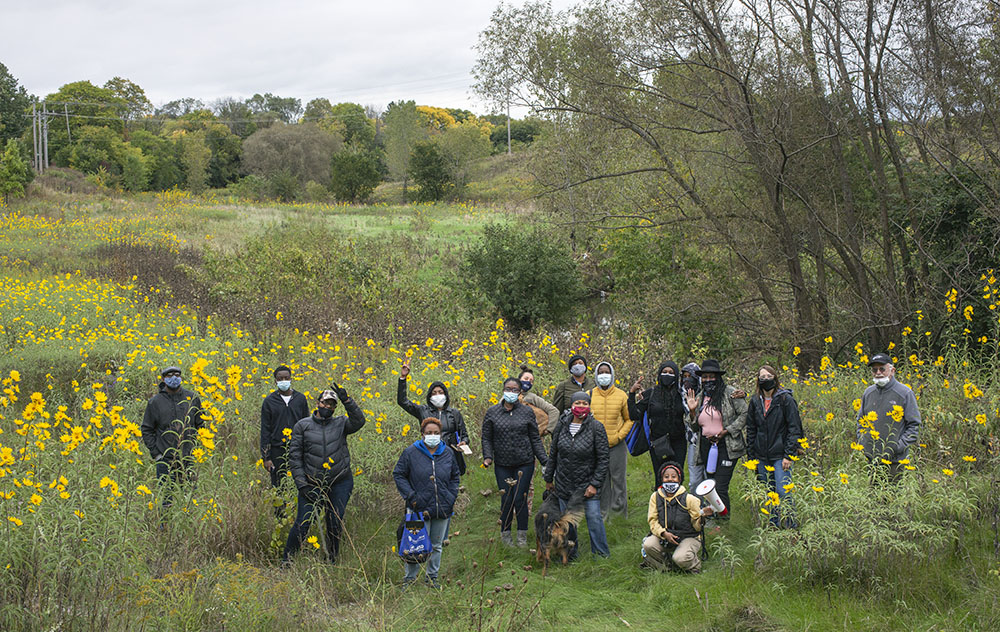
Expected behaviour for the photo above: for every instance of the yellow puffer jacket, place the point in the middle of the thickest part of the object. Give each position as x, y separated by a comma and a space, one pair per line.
610, 407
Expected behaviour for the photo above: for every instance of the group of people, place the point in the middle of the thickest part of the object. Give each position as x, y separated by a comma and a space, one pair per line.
691, 416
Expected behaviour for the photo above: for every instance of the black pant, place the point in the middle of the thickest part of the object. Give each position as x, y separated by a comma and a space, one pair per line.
513, 483
169, 476
723, 473
276, 455
678, 446
332, 499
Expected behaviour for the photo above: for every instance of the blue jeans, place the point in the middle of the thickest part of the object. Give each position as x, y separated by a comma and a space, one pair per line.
514, 496
436, 529
595, 527
333, 500
784, 513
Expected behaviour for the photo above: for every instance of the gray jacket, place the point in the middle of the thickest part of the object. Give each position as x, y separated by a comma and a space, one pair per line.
734, 420
895, 438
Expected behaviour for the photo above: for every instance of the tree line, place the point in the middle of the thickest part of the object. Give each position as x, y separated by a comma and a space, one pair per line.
265, 146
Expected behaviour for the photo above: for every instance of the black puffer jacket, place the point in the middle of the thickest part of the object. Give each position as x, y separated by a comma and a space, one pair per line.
275, 416
452, 423
774, 435
510, 437
575, 462
316, 441
427, 481
665, 408
171, 421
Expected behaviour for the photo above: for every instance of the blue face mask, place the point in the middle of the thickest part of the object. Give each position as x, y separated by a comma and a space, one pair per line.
526, 386
172, 381
670, 488
432, 441
509, 397
284, 385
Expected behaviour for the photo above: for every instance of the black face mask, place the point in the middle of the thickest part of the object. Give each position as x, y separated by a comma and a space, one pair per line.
324, 413
709, 386
691, 384
766, 385
667, 379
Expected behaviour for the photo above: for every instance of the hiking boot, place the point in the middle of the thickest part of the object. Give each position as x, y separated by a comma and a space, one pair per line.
432, 582
522, 538
505, 538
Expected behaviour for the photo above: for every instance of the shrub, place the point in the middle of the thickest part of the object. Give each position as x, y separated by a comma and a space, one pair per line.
528, 277
250, 188
354, 176
429, 170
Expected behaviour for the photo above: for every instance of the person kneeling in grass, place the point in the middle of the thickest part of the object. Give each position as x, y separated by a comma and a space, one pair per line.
675, 524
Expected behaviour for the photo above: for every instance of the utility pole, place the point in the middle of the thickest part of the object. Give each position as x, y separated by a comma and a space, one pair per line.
508, 121
66, 112
34, 136
45, 134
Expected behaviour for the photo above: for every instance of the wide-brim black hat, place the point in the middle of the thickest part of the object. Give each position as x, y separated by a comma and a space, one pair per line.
710, 366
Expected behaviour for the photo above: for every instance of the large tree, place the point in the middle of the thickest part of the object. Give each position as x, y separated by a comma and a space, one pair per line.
403, 129
14, 103
303, 150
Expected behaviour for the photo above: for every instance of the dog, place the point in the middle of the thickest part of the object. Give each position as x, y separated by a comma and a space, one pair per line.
552, 528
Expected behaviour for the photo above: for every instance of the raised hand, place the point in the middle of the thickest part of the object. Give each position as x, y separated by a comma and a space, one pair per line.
405, 371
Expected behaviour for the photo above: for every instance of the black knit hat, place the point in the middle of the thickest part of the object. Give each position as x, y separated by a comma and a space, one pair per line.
575, 357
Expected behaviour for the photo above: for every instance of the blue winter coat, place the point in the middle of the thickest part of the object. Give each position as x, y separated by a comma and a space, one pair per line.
427, 481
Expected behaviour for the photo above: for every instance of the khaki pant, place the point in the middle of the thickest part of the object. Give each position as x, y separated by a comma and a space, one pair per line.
614, 493
685, 555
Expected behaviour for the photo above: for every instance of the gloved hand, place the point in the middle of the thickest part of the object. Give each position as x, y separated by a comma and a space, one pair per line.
340, 391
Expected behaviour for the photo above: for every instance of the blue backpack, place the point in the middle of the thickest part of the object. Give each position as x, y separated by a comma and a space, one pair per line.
414, 541
637, 440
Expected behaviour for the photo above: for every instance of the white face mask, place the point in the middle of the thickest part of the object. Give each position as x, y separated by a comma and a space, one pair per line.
437, 401
432, 440
604, 380
880, 382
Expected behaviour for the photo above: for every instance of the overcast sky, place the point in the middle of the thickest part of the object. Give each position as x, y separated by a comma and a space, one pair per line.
373, 51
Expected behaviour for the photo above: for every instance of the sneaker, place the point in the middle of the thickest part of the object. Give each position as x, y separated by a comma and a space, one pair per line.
405, 585
432, 582
506, 539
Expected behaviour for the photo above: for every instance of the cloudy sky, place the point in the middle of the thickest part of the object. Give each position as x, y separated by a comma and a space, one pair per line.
345, 50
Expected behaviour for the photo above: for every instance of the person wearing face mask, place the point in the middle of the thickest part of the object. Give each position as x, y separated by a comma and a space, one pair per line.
321, 468
546, 415
886, 399
719, 415
773, 432
609, 405
691, 381
511, 444
170, 430
663, 405
578, 459
426, 476
453, 432
279, 412
675, 524
578, 380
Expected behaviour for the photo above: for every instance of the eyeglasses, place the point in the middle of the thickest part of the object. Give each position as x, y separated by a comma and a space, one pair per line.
881, 368
511, 390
